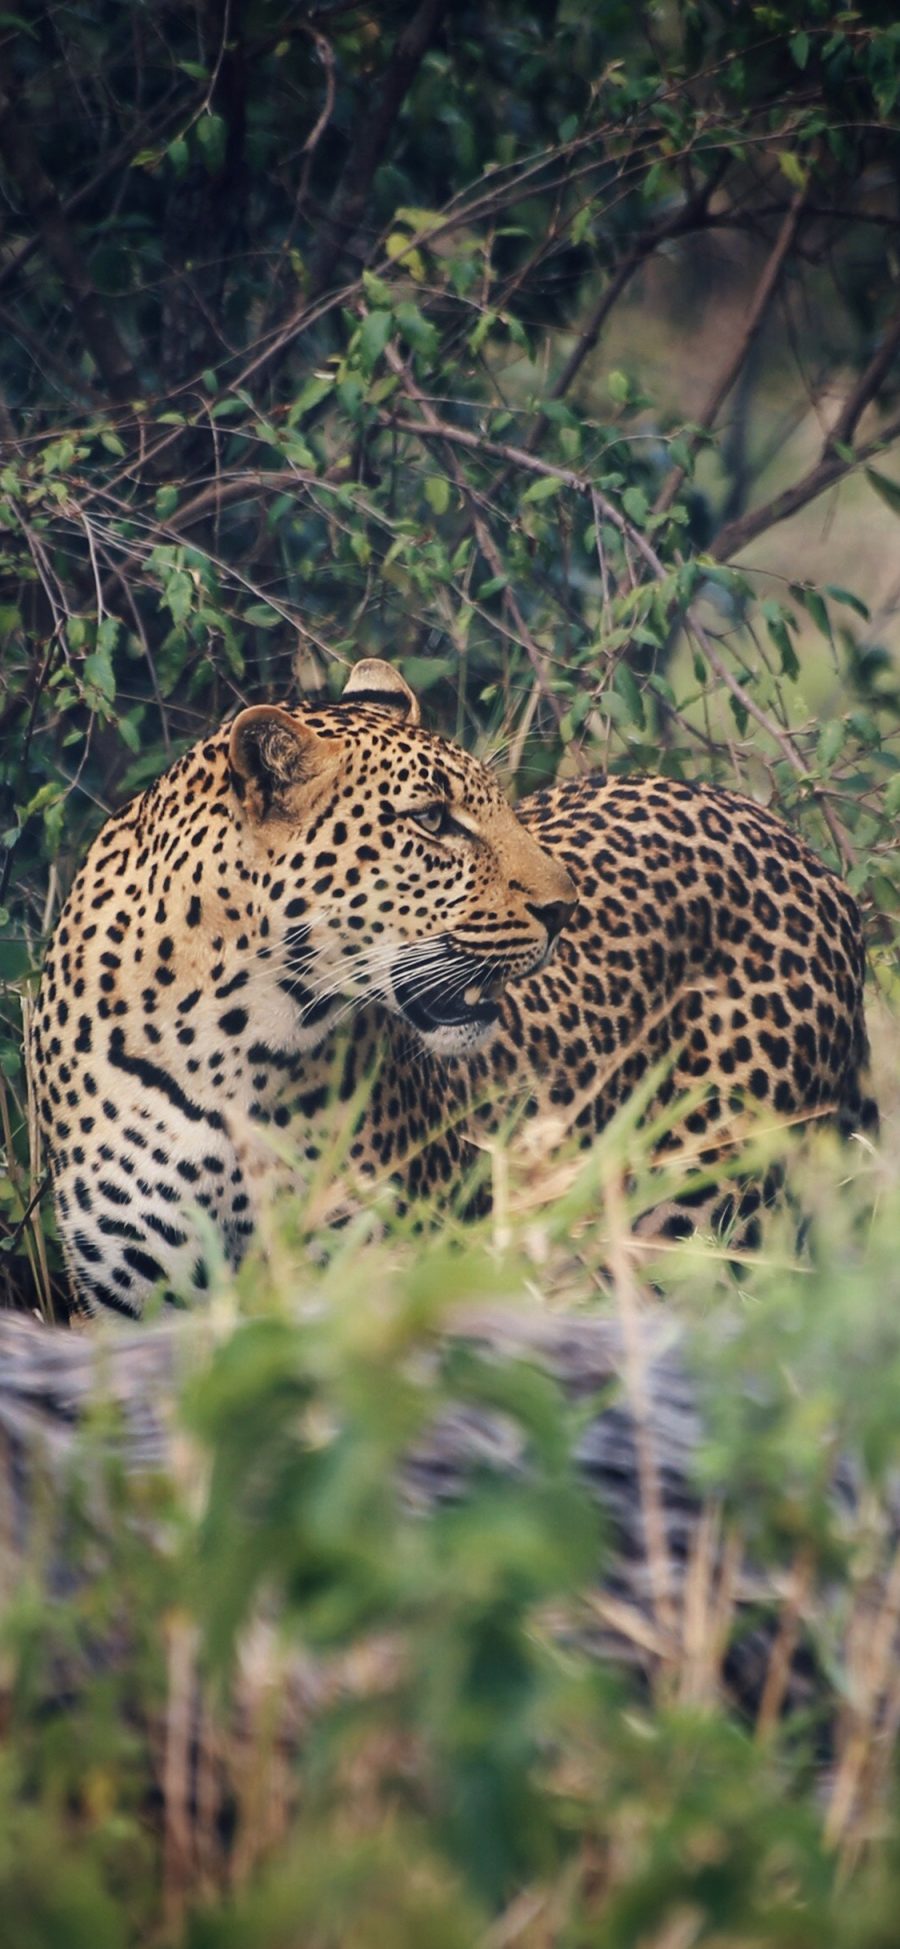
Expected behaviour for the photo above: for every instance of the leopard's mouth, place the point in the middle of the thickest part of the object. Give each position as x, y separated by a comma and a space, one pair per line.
448, 1013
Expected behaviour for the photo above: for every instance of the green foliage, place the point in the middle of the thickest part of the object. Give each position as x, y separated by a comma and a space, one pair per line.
463, 1760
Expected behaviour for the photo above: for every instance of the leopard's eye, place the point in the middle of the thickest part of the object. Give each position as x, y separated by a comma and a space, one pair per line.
434, 819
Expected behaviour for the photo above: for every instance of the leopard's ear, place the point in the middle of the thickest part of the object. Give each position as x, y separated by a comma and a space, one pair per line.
374, 682
271, 754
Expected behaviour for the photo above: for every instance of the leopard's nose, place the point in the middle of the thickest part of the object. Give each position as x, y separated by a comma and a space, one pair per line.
552, 914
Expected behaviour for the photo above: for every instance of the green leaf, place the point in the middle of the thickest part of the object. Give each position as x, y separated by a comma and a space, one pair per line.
791, 167
211, 134
228, 409
863, 723
15, 20
618, 387
892, 797
98, 674
846, 596
179, 155
44, 796
887, 490
817, 609
542, 490
799, 46
398, 250
374, 334
636, 505
166, 501
626, 685
831, 743
437, 493
417, 330
419, 220
261, 616
297, 451
316, 389
485, 324
377, 292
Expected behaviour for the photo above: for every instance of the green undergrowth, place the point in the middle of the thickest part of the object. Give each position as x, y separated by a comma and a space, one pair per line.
287, 1693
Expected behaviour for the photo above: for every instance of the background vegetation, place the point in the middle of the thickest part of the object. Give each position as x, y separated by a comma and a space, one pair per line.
550, 350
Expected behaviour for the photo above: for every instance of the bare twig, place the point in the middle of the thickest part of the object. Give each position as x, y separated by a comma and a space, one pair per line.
486, 543
325, 53
762, 299
691, 216
779, 737
831, 466
349, 200
867, 385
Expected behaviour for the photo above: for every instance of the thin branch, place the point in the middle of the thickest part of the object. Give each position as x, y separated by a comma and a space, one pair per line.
692, 216
867, 385
831, 466
762, 299
483, 534
367, 151
325, 53
773, 730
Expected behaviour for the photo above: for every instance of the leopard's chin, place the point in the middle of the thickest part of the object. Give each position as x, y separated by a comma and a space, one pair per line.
459, 1038
451, 1020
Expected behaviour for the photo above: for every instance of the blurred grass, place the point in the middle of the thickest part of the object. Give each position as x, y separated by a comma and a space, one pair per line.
272, 1696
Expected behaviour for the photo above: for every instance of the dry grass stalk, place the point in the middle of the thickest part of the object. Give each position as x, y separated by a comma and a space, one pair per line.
627, 1296
178, 1732
629, 1624
708, 1602
778, 1670
872, 1651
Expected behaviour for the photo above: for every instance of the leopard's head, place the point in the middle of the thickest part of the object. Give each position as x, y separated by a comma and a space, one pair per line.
392, 866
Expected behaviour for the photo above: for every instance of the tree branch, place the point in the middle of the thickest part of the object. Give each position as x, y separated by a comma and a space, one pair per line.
349, 200
831, 468
867, 385
690, 217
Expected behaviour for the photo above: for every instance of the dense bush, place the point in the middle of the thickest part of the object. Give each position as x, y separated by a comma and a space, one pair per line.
551, 351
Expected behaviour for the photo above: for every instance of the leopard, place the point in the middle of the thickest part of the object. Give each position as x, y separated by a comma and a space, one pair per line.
329, 909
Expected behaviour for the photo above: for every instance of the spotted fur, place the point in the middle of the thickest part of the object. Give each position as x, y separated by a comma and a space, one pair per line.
303, 866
